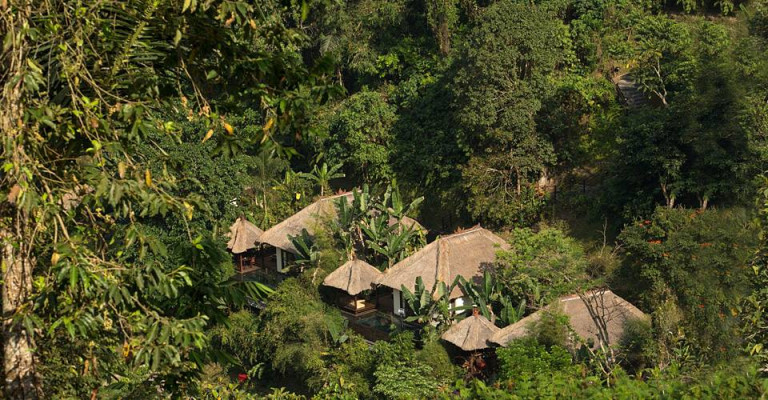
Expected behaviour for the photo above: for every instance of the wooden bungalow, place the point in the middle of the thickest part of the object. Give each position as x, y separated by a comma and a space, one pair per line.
243, 239
279, 236
466, 253
597, 316
354, 278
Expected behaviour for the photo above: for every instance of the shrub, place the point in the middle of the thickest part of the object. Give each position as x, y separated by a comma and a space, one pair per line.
525, 358
435, 355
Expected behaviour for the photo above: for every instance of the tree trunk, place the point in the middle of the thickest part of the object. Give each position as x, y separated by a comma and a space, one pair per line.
17, 265
19, 362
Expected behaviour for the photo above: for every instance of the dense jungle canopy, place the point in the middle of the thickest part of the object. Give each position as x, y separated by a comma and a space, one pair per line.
617, 144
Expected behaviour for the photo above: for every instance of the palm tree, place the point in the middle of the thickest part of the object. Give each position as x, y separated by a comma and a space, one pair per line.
267, 169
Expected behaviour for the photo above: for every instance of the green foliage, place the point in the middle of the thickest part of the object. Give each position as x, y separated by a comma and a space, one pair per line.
492, 299
323, 176
738, 381
350, 369
442, 16
240, 338
500, 86
293, 330
430, 305
359, 136
638, 347
435, 355
402, 380
755, 306
525, 358
541, 266
662, 55
372, 227
552, 329
705, 144
698, 261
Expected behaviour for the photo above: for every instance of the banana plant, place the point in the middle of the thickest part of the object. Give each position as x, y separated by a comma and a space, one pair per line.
487, 296
337, 330
307, 255
393, 204
429, 306
394, 246
510, 313
322, 176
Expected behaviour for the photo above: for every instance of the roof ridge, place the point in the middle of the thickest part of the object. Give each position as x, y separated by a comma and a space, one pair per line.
474, 229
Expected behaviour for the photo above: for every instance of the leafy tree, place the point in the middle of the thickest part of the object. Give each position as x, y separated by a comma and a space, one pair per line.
755, 306
663, 57
500, 86
359, 136
430, 306
525, 358
442, 16
696, 260
492, 300
373, 229
541, 266
74, 190
295, 331
404, 381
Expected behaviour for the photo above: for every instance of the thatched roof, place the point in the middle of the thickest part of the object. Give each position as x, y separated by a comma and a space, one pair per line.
353, 277
306, 218
472, 333
243, 236
408, 223
466, 253
606, 305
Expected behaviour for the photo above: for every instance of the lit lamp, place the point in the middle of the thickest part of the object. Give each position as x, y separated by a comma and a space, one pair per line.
400, 313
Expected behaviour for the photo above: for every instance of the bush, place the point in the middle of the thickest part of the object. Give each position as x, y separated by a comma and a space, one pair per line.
696, 260
404, 380
551, 329
435, 355
239, 338
294, 336
523, 359
637, 344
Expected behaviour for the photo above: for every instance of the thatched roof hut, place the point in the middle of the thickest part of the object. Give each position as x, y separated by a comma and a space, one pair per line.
306, 218
243, 236
465, 253
353, 277
585, 313
472, 333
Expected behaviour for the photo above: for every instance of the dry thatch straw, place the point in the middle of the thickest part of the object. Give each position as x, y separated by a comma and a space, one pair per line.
466, 253
243, 236
306, 218
589, 314
472, 333
353, 277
